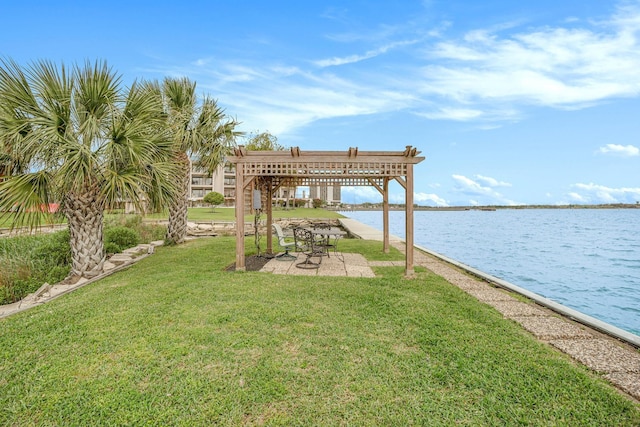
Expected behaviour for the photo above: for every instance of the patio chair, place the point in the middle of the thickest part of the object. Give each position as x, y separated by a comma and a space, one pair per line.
324, 241
283, 244
309, 247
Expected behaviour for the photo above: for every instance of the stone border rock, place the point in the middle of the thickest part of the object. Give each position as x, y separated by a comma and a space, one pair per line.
49, 292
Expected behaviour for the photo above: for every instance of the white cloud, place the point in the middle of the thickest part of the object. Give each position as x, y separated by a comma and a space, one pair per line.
621, 150
372, 195
595, 193
360, 195
482, 194
461, 114
492, 182
361, 57
429, 198
286, 104
577, 197
556, 67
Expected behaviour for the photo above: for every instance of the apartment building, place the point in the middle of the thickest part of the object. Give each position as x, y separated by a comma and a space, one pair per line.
330, 193
223, 181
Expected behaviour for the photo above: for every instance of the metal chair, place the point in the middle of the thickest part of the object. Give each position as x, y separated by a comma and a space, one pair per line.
306, 243
283, 244
324, 241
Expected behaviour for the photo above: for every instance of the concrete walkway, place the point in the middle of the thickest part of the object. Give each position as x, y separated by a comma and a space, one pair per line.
365, 232
616, 361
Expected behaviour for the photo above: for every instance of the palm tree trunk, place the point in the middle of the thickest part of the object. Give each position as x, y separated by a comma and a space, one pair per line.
84, 214
177, 228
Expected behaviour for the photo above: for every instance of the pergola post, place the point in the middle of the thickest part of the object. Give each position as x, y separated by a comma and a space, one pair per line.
385, 216
409, 221
269, 210
240, 264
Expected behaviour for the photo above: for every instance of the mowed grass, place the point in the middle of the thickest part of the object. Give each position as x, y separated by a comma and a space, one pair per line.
176, 340
229, 214
203, 214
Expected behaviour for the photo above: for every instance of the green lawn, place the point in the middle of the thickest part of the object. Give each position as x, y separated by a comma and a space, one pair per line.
6, 219
176, 340
217, 214
229, 214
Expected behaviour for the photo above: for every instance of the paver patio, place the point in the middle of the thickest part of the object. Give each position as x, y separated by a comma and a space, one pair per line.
354, 265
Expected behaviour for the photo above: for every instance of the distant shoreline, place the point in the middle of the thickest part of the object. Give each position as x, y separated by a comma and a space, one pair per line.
490, 207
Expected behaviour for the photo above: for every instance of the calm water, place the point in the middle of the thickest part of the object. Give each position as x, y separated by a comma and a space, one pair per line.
586, 259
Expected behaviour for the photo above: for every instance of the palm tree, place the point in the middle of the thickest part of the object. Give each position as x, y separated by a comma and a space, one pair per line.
84, 141
200, 133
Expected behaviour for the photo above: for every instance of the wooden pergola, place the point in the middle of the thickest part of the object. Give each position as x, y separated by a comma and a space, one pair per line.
270, 170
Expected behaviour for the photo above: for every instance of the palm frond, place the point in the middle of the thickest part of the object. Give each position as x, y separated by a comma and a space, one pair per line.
123, 184
53, 88
27, 197
96, 96
215, 135
181, 108
161, 185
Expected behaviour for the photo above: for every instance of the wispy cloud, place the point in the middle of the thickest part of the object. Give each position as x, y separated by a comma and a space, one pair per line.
486, 75
554, 67
462, 114
620, 150
350, 59
491, 182
578, 198
282, 99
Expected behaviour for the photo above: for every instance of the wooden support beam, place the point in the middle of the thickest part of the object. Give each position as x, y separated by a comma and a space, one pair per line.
375, 184
409, 222
385, 217
247, 180
240, 186
269, 210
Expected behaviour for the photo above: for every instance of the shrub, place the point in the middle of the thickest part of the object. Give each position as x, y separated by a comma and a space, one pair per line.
111, 248
214, 199
123, 220
151, 232
120, 238
26, 262
55, 250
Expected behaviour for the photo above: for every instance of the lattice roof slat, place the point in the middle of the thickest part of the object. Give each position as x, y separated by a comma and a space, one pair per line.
348, 168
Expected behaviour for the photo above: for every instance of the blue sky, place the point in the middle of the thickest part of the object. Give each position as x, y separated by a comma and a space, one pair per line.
511, 102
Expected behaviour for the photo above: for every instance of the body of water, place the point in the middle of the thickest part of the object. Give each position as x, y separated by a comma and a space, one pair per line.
586, 259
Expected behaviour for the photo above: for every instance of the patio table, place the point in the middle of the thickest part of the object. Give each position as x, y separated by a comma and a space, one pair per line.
328, 233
